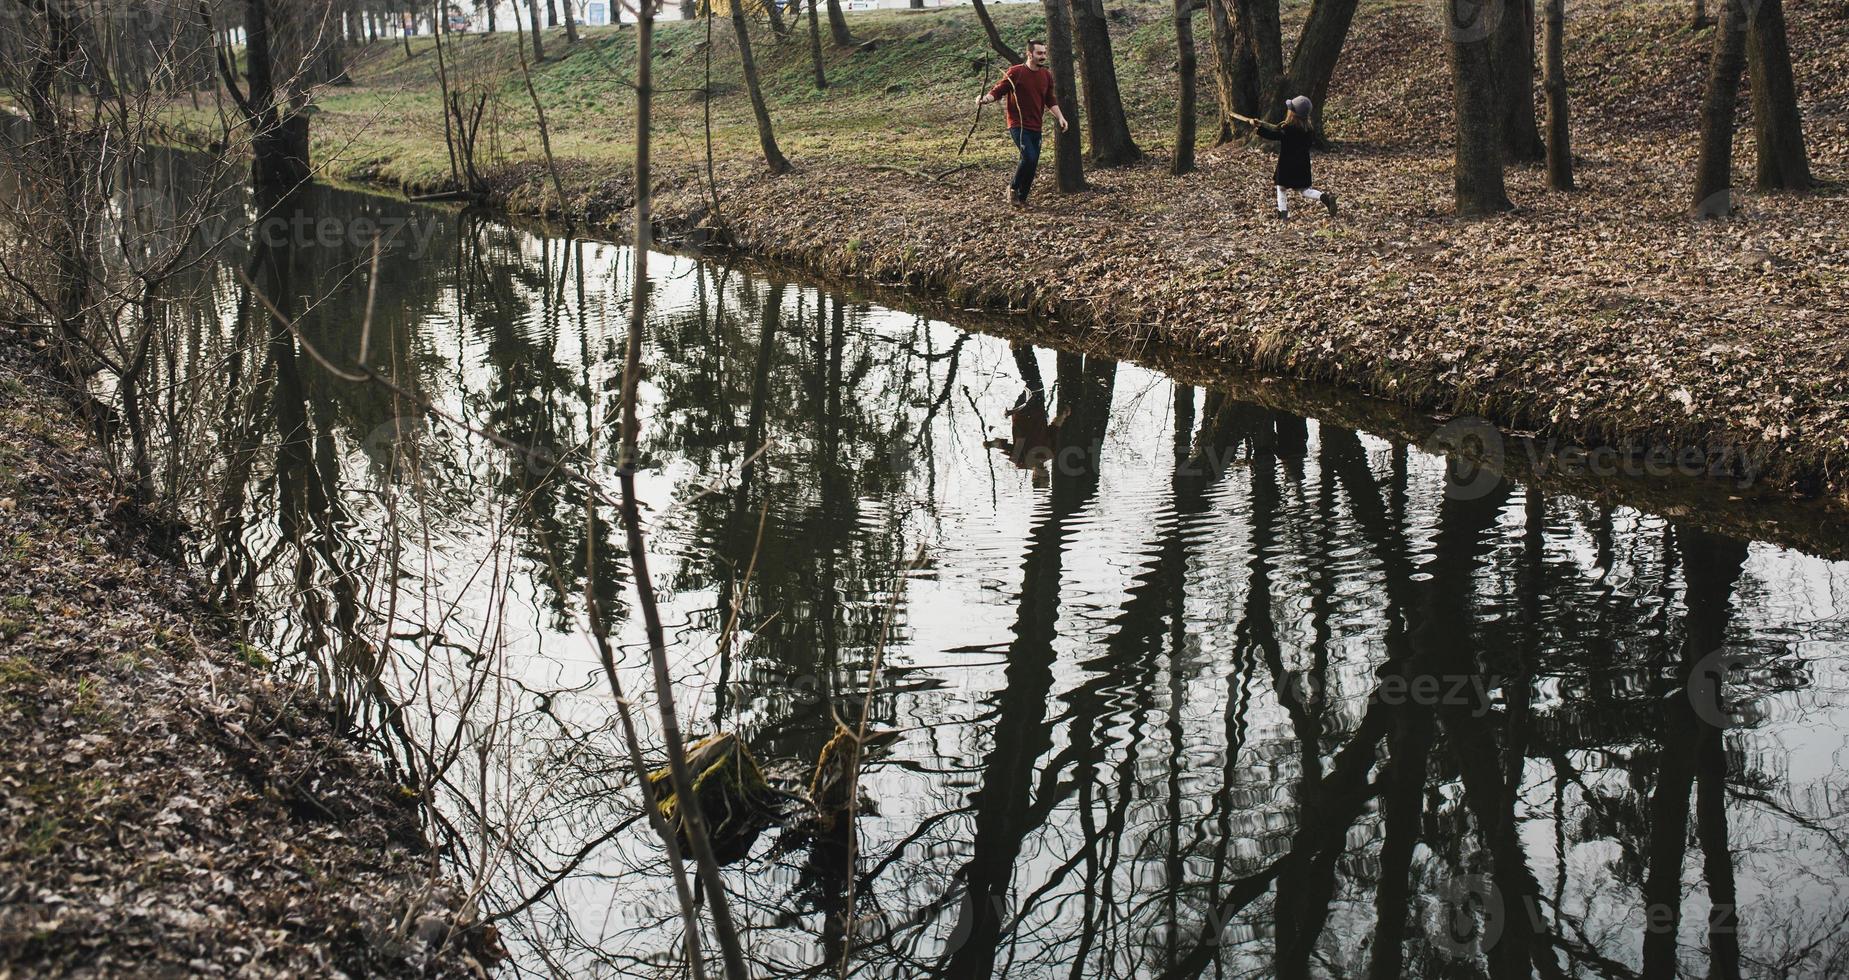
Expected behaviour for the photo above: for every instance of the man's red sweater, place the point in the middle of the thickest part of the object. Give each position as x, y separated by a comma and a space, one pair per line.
1025, 93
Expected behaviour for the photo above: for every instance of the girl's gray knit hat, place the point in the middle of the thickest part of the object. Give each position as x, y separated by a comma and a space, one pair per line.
1301, 105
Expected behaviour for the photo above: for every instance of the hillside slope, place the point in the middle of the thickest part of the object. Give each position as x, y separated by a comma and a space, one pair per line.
1635, 70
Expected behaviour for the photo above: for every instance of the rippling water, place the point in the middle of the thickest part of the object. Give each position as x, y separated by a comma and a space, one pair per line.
1215, 690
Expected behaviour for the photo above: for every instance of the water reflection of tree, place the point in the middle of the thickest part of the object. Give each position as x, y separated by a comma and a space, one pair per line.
1013, 800
788, 408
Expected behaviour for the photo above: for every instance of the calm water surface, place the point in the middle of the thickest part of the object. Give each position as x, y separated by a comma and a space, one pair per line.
1215, 690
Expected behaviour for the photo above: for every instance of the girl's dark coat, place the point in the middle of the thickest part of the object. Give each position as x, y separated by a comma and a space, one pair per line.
1293, 154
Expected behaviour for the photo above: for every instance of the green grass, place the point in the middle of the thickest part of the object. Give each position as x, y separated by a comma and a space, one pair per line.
909, 99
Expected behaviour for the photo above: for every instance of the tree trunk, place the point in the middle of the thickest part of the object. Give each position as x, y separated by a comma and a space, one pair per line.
982, 14
1514, 63
776, 18
1325, 31
917, 4
279, 135
1559, 138
1069, 164
571, 24
837, 26
815, 45
1714, 173
1701, 20
1184, 106
1258, 22
552, 13
1111, 144
773, 157
1477, 167
1778, 126
539, 45
1232, 70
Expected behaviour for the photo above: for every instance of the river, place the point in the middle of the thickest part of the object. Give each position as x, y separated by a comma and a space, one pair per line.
1174, 683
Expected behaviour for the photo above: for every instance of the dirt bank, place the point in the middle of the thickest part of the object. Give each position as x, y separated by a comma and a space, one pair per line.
165, 808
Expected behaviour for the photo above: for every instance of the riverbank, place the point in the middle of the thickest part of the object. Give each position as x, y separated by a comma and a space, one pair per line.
166, 807
1603, 317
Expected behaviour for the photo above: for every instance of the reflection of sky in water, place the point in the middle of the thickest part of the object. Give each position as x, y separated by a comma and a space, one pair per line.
1080, 676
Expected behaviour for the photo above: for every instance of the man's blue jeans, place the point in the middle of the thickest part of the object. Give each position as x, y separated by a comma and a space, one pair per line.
1028, 141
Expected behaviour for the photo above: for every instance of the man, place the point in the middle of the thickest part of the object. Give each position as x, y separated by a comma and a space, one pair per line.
1026, 94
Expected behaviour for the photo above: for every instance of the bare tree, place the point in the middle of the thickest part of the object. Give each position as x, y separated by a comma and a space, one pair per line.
84, 244
1069, 164
767, 139
1108, 127
1319, 47
689, 801
1778, 125
280, 46
1714, 171
1514, 62
1554, 74
1259, 24
1477, 168
815, 45
982, 14
1235, 71
539, 44
1185, 69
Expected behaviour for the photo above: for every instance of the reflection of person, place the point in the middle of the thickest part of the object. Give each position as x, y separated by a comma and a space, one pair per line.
1033, 435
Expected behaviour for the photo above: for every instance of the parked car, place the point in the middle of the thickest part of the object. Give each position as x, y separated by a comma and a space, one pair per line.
458, 24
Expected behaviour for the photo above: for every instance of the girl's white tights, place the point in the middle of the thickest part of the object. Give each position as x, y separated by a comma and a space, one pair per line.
1309, 194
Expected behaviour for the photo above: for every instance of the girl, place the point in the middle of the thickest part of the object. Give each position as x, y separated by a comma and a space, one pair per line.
1293, 137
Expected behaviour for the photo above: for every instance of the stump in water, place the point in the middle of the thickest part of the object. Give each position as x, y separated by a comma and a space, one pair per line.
832, 782
830, 786
735, 798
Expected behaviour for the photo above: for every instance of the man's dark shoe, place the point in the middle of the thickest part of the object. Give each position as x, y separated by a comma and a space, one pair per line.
1283, 215
1329, 202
